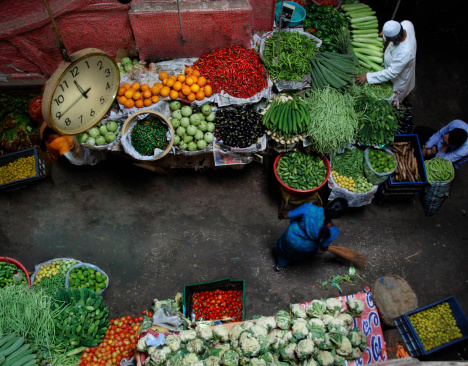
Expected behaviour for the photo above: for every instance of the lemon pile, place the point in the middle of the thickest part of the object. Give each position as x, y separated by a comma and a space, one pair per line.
54, 268
344, 182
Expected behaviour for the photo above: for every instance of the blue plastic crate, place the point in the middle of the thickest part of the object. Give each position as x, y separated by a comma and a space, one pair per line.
410, 337
10, 158
414, 139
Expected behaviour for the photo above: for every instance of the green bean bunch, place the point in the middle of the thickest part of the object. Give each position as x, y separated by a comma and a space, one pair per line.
295, 51
333, 122
438, 169
378, 91
350, 163
148, 135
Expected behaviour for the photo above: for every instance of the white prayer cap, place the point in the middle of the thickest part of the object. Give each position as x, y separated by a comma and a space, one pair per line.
391, 29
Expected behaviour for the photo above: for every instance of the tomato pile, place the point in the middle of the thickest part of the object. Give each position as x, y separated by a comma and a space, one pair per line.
119, 342
218, 304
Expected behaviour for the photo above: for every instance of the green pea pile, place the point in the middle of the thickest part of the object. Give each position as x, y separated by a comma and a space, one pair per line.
381, 162
435, 326
18, 169
89, 278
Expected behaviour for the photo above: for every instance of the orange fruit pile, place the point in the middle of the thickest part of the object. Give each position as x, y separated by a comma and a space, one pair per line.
137, 95
190, 86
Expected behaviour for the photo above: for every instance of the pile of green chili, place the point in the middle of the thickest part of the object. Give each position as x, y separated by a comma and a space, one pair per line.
295, 50
333, 122
149, 134
438, 169
378, 91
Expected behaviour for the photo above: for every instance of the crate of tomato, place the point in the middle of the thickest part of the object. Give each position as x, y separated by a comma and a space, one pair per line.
215, 300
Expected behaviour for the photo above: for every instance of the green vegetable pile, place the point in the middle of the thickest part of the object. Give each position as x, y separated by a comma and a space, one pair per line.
15, 352
319, 334
435, 326
149, 134
83, 317
11, 275
27, 313
295, 51
300, 170
381, 162
377, 121
350, 163
287, 117
438, 169
324, 22
81, 277
333, 122
377, 91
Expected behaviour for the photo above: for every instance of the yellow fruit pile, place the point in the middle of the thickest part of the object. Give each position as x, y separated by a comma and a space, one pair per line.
190, 86
344, 182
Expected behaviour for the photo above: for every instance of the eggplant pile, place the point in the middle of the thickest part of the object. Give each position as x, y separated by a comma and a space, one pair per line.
239, 127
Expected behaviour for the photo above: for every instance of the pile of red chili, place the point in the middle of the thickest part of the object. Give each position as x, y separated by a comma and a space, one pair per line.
218, 304
235, 70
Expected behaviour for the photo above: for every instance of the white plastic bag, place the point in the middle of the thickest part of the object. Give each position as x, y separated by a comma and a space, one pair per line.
354, 199
86, 265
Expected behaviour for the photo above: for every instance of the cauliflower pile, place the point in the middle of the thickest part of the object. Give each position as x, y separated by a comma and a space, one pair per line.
321, 335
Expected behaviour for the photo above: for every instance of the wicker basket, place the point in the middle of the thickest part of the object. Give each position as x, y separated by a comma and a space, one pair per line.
163, 118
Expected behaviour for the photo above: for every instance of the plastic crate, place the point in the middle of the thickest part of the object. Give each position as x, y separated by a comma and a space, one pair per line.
410, 337
40, 166
223, 284
414, 139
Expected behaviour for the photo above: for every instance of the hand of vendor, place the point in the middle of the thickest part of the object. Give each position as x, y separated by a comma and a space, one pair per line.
426, 151
361, 79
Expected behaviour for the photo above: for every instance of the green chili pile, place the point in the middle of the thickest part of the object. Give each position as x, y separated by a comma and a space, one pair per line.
438, 169
148, 135
295, 51
333, 122
378, 91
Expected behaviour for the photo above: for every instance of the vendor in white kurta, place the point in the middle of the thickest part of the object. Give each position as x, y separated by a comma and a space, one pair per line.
399, 60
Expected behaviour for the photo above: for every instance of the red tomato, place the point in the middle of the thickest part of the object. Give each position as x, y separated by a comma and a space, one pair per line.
140, 319
143, 312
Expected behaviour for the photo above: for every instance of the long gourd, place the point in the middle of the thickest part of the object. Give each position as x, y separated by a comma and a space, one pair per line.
367, 46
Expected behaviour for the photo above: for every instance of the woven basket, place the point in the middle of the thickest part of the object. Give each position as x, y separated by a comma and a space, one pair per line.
163, 118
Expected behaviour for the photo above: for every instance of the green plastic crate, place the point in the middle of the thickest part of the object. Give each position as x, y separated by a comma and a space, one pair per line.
223, 284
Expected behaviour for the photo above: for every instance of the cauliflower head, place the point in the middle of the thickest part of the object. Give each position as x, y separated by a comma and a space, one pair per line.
204, 332
212, 361
187, 335
355, 307
288, 352
346, 319
345, 348
275, 337
325, 358
257, 362
195, 346
326, 319
334, 305
356, 353
316, 323
268, 322
304, 349
221, 333
298, 311
316, 308
259, 330
299, 329
310, 362
190, 359
159, 355
235, 332
230, 358
222, 347
250, 347
173, 342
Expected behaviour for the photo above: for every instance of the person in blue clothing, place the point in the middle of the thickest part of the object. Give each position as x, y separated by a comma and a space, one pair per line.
450, 142
310, 231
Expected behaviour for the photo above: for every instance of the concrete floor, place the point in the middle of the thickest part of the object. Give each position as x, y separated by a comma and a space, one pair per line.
153, 234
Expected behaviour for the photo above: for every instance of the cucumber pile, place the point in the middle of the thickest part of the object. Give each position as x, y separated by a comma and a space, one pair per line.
334, 69
83, 319
367, 45
286, 118
301, 171
15, 352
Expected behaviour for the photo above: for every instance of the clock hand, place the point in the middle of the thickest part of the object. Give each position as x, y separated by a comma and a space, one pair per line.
76, 101
83, 93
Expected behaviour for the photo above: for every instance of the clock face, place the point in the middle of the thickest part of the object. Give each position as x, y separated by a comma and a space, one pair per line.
83, 93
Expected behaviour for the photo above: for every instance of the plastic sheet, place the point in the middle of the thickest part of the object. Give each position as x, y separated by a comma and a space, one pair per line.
354, 199
373, 176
